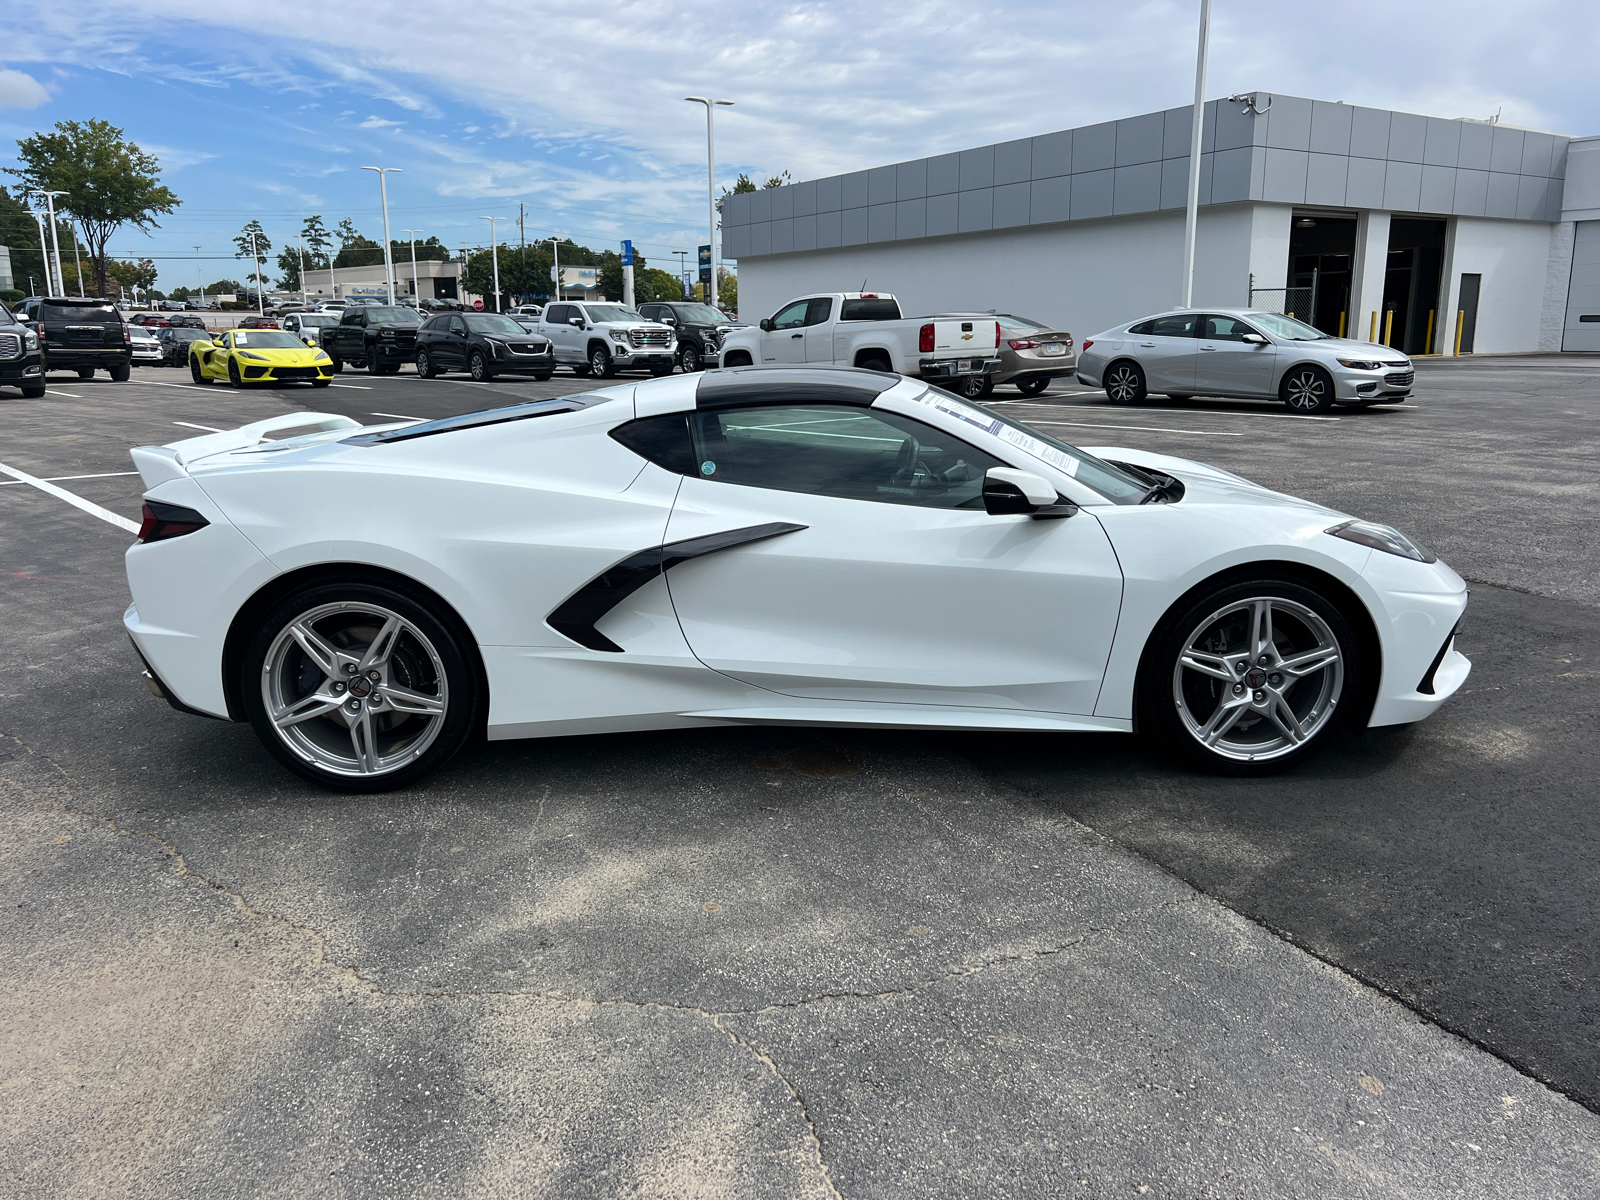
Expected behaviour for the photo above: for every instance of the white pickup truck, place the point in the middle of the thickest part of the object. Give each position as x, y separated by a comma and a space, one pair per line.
866, 329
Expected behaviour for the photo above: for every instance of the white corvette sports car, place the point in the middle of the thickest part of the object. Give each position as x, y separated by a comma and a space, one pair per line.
799, 546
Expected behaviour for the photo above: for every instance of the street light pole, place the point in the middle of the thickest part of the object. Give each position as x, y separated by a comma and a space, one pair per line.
44, 254
383, 193
494, 256
60, 283
1192, 211
683, 268
255, 265
416, 293
300, 243
555, 254
77, 260
711, 185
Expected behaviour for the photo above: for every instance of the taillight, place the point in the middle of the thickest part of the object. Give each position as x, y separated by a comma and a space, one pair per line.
127, 335
925, 342
1087, 342
997, 335
38, 327
1023, 344
163, 521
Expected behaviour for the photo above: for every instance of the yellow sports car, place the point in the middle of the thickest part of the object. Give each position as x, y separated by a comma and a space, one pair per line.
244, 356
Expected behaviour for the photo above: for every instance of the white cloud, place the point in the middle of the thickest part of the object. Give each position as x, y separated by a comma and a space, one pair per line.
21, 91
173, 158
380, 123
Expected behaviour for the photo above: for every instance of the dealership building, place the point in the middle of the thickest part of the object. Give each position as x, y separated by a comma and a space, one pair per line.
1431, 235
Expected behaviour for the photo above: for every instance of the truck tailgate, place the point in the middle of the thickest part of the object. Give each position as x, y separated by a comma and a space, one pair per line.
955, 336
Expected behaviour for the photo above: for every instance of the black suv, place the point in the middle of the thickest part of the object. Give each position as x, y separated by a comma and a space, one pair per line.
81, 335
377, 336
699, 328
20, 364
175, 341
484, 345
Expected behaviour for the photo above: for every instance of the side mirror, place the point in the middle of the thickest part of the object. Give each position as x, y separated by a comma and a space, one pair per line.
766, 324
1255, 339
578, 321
1009, 492
669, 320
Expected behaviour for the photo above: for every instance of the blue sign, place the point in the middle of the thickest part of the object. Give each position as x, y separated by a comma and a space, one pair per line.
705, 264
627, 254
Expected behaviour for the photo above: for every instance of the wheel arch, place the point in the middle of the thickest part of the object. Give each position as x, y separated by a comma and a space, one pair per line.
866, 354
737, 358
1358, 710
254, 610
588, 349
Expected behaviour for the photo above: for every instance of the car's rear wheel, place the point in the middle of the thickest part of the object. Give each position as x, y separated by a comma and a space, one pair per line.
478, 367
360, 688
1307, 390
974, 387
120, 373
234, 378
1124, 383
689, 360
876, 362
1032, 387
425, 366
85, 372
1248, 679
600, 364
195, 373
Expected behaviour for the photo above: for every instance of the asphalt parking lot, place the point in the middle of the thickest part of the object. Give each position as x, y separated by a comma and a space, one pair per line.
768, 962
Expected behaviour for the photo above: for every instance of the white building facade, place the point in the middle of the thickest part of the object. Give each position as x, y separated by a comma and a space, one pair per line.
1425, 233
434, 281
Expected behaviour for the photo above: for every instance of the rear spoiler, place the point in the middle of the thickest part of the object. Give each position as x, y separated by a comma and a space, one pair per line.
157, 464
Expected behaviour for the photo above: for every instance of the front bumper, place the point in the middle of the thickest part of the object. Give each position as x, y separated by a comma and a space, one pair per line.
957, 368
527, 364
27, 367
265, 373
643, 356
1419, 615
1350, 384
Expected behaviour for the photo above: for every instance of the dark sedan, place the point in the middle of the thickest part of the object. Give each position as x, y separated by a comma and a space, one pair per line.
482, 344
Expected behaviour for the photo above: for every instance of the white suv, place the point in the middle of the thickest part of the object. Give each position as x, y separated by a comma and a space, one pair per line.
600, 338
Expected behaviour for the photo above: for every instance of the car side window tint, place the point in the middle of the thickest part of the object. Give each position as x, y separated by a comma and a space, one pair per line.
839, 450
663, 440
1142, 329
457, 325
817, 313
1180, 325
1225, 329
792, 317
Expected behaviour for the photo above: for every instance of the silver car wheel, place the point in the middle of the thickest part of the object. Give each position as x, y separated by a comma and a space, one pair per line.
355, 689
1258, 679
1122, 384
1305, 391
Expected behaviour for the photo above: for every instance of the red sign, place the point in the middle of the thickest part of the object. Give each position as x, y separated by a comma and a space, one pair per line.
478, 304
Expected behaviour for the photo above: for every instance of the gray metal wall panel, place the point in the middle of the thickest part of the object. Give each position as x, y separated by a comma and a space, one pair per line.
1408, 136
782, 203
830, 194
1369, 132
1230, 177
977, 168
760, 237
1285, 181
1258, 174
783, 236
881, 223
853, 227
942, 214
1051, 200
1208, 126
760, 206
1139, 139
1536, 151
1094, 147
1533, 194
911, 180
1438, 189
1137, 188
1583, 294
1558, 159
855, 190
1091, 195
1472, 193
1364, 184
1476, 143
1234, 128
1505, 152
1289, 123
1444, 143
1175, 125
976, 211
1011, 204
1502, 195
1402, 185
735, 241
911, 218
805, 233
1175, 182
1013, 161
944, 174
881, 185
1052, 155
735, 211
830, 230
805, 199
1330, 127
1325, 178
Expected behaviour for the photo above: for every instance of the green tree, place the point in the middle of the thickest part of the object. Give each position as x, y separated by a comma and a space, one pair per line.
109, 182
745, 184
359, 252
727, 289
20, 231
317, 240
257, 247
141, 274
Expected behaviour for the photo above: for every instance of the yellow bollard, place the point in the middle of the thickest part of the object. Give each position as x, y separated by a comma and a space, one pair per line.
1461, 324
1373, 336
1427, 346
1388, 327
1341, 324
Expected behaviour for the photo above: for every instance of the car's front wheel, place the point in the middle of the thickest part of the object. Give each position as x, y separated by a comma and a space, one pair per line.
1125, 383
234, 378
689, 360
1248, 678
478, 367
1307, 390
600, 365
425, 366
359, 687
195, 373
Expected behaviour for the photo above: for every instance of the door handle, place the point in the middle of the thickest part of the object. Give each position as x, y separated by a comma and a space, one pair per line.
1208, 347
1147, 345
797, 335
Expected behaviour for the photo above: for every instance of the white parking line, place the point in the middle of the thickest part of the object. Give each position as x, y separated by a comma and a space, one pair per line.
192, 425
355, 387
188, 386
104, 514
59, 392
1138, 428
397, 416
61, 478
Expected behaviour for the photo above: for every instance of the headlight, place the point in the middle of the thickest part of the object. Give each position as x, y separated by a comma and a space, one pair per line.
497, 347
31, 340
322, 356
251, 357
1381, 537
619, 335
1359, 364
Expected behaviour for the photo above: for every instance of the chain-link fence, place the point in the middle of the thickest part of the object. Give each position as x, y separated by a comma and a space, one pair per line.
1292, 301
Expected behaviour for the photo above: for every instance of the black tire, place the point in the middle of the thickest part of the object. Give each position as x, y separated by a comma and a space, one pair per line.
338, 364
542, 376
1306, 390
876, 362
1175, 710
1124, 383
437, 665
600, 364
689, 359
120, 373
234, 378
973, 387
581, 370
1032, 387
478, 367
425, 367
322, 383
736, 358
195, 373
661, 369
85, 372
32, 391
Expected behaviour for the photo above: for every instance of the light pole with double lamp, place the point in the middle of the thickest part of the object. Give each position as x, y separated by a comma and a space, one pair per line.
416, 294
200, 273
555, 271
494, 257
383, 194
59, 287
711, 184
44, 255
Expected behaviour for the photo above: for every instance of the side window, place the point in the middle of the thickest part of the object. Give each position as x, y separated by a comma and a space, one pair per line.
817, 313
457, 325
793, 316
663, 440
1142, 329
1179, 325
1225, 329
838, 450
650, 312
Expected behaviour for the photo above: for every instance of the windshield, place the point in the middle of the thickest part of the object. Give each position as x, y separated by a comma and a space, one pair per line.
383, 314
1288, 328
698, 314
492, 323
1111, 482
317, 319
267, 339
599, 313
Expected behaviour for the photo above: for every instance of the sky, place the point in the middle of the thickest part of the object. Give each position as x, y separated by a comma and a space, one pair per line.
270, 111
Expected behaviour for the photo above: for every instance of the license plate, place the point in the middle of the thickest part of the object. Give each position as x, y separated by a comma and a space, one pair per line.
1050, 349
964, 364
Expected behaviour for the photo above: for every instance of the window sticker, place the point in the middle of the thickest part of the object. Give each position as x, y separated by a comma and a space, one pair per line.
952, 407
241, 339
708, 467
1064, 463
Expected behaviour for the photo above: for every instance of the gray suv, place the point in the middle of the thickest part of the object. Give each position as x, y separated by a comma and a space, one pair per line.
1244, 353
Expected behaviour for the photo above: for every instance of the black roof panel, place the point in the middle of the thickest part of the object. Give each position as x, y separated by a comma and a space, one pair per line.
733, 386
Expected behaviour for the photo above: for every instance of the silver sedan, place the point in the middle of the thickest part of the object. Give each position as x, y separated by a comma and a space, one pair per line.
1242, 353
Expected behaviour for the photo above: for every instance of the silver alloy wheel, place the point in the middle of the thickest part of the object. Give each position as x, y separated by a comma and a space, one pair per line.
1304, 390
354, 688
1122, 384
689, 360
600, 363
478, 366
1258, 679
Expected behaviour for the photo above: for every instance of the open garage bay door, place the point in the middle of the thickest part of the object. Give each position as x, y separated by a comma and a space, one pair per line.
1582, 330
